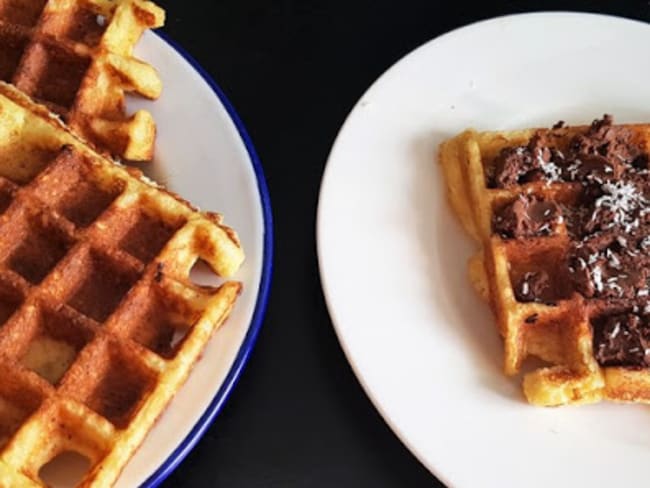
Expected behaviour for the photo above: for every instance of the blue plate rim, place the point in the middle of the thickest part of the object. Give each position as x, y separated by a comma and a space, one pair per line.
190, 441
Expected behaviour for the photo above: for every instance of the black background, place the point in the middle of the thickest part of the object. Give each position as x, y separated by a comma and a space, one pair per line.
293, 70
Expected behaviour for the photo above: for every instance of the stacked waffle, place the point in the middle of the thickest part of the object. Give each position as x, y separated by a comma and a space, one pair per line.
563, 220
100, 324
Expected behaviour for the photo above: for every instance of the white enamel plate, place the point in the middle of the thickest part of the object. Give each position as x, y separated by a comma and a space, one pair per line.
204, 154
393, 258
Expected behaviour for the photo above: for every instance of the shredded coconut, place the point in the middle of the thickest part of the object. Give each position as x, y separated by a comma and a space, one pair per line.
598, 278
645, 242
573, 168
551, 170
614, 262
616, 287
620, 198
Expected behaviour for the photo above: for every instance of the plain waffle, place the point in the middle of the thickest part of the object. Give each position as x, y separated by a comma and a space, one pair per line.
572, 326
75, 56
100, 322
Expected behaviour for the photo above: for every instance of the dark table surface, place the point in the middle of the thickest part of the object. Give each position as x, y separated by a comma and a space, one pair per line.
293, 70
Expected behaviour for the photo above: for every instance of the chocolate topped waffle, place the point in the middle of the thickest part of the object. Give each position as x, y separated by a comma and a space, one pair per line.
75, 56
563, 219
99, 321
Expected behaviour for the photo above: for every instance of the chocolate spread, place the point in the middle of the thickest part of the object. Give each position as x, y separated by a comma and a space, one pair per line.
622, 340
535, 286
603, 151
535, 161
527, 216
608, 257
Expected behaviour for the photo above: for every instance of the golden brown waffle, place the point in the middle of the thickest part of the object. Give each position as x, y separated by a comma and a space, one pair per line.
76, 57
560, 329
100, 322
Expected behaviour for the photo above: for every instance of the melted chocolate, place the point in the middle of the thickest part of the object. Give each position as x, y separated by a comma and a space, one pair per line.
609, 230
535, 287
527, 216
622, 340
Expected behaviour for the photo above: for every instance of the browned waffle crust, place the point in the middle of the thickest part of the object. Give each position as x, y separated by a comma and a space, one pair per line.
99, 321
76, 57
575, 328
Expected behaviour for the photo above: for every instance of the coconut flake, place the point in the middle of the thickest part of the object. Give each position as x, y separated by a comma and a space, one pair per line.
551, 170
620, 198
573, 169
597, 278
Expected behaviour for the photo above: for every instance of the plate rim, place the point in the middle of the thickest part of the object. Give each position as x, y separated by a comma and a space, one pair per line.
216, 404
459, 30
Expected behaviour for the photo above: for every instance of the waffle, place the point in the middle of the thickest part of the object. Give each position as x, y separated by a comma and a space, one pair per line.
101, 323
75, 56
573, 224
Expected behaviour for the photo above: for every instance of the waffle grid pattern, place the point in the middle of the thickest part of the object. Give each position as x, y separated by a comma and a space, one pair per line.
100, 324
76, 57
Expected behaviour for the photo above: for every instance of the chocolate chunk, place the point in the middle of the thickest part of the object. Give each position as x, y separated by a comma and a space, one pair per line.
524, 164
622, 340
538, 146
619, 205
510, 165
608, 265
527, 216
604, 139
592, 167
535, 286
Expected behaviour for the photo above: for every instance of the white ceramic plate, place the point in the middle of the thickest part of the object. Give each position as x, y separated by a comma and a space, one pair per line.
204, 154
392, 256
